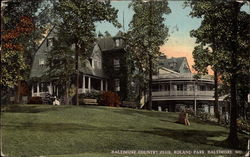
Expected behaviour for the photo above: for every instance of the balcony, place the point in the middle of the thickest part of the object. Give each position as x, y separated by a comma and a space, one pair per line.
182, 95
185, 76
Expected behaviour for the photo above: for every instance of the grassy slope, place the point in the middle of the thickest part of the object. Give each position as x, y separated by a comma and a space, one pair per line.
48, 130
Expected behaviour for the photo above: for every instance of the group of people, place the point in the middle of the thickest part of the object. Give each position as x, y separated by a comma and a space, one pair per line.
183, 118
49, 99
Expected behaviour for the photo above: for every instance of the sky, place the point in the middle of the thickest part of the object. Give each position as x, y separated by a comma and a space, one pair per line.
179, 43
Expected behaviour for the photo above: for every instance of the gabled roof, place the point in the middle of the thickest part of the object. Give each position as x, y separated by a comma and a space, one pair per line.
106, 43
38, 71
177, 62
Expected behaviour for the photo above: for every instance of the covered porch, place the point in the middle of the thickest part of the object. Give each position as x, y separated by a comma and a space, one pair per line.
87, 83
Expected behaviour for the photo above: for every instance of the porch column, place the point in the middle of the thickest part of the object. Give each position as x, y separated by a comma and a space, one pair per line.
32, 90
38, 90
195, 98
106, 88
50, 88
101, 85
53, 89
89, 83
83, 83
170, 88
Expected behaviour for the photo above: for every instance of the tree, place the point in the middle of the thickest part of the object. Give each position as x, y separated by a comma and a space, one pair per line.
146, 34
60, 63
21, 28
222, 29
203, 58
76, 20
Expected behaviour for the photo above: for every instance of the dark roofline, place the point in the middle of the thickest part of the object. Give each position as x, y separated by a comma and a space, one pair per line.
42, 42
188, 64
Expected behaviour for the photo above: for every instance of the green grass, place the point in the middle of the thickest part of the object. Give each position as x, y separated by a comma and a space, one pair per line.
94, 131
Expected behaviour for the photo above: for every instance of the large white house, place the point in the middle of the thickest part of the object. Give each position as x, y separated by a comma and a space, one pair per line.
175, 87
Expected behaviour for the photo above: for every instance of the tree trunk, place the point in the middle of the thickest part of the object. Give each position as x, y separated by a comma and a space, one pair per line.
18, 93
150, 60
150, 84
233, 137
216, 97
66, 94
77, 73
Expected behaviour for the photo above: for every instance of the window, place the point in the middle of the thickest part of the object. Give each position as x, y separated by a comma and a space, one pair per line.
90, 61
95, 64
35, 87
186, 66
99, 65
179, 87
117, 42
41, 62
202, 88
43, 87
173, 65
117, 85
116, 64
155, 87
167, 87
50, 42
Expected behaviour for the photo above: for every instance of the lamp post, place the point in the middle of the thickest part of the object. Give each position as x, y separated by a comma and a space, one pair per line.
195, 101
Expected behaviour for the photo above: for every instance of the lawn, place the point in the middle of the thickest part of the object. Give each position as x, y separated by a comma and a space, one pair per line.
96, 131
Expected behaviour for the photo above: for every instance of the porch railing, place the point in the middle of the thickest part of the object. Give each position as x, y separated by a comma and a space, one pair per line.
182, 93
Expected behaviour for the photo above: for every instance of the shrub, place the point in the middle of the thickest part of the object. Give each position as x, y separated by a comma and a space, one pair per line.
110, 99
204, 116
35, 100
243, 125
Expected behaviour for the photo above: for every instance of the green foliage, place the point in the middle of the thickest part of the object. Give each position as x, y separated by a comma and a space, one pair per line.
215, 41
216, 32
60, 62
147, 31
146, 34
12, 64
202, 58
122, 73
76, 21
76, 24
20, 39
225, 29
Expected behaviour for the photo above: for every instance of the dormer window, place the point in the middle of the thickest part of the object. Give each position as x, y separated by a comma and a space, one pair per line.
41, 62
50, 42
185, 66
116, 64
173, 65
90, 62
117, 42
